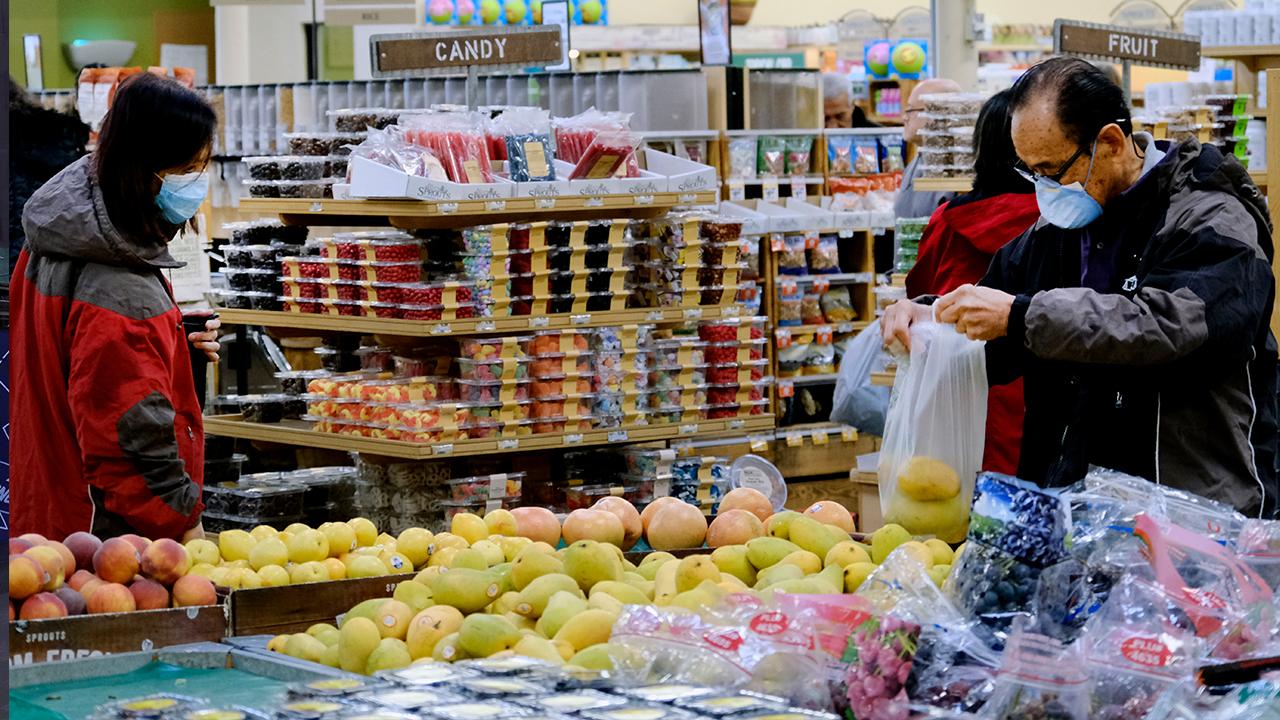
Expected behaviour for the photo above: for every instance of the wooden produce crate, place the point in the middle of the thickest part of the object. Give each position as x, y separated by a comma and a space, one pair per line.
84, 636
870, 518
809, 457
294, 608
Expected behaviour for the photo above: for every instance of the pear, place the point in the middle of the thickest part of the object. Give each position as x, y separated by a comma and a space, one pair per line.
658, 557
305, 647
590, 562
393, 618
596, 657
803, 559
705, 595
802, 586
391, 654
887, 539
443, 557
539, 648
448, 650
833, 576
938, 574
414, 594
587, 628
692, 570
467, 590
649, 570
500, 522
845, 552
511, 546
530, 564
492, 554
522, 623
364, 609
357, 639
562, 606
316, 630
606, 602
483, 635
505, 603
469, 527
425, 577
732, 560
778, 573
331, 657
765, 552
626, 594
664, 584
534, 598
631, 577
328, 637
468, 558
942, 553
816, 537
429, 626
779, 524
856, 574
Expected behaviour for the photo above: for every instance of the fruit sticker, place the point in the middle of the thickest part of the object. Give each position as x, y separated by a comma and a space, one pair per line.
1146, 651
728, 640
770, 623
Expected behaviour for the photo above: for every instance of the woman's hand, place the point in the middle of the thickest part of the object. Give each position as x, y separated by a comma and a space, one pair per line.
207, 340
195, 533
898, 318
980, 313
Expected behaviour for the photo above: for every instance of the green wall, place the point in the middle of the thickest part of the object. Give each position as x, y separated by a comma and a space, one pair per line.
60, 21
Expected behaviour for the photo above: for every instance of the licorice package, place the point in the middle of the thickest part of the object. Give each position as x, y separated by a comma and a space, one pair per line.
527, 137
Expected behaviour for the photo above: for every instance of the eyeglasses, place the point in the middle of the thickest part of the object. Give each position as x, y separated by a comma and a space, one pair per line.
1049, 179
912, 111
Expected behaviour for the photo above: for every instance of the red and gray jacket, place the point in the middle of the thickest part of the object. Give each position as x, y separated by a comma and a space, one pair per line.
106, 427
1169, 371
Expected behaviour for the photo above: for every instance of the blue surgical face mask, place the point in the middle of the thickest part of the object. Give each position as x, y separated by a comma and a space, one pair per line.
180, 195
1068, 206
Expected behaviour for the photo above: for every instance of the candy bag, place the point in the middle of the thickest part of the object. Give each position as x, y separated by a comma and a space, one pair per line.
1039, 678
392, 148
799, 154
791, 259
891, 154
837, 306
790, 306
811, 309
933, 437
840, 154
607, 154
526, 134
742, 157
866, 158
457, 139
772, 155
824, 257
820, 360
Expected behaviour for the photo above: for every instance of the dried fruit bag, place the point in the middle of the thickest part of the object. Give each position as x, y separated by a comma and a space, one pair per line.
934, 433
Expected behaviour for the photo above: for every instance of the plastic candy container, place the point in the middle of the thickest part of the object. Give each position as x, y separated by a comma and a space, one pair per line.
375, 246
720, 331
726, 353
486, 391
493, 370
270, 408
584, 496
494, 348
275, 500
483, 487
380, 359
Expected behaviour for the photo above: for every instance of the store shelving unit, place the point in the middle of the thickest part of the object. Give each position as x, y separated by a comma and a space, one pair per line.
956, 184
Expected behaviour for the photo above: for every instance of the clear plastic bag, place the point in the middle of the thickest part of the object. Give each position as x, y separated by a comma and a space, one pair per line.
458, 140
837, 305
791, 259
773, 155
880, 656
742, 157
1259, 547
391, 147
934, 433
811, 309
526, 135
790, 307
825, 256
856, 402
799, 154
1111, 499
1039, 678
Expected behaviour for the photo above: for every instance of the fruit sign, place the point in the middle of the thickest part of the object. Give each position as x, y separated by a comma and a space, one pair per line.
421, 53
1123, 44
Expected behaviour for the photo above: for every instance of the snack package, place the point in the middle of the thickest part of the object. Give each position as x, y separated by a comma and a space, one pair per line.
695, 150
772, 155
811, 309
1039, 678
791, 359
607, 154
526, 143
836, 305
790, 306
791, 259
866, 157
799, 158
840, 154
820, 360
392, 148
742, 157
574, 135
458, 140
891, 154
824, 258
934, 433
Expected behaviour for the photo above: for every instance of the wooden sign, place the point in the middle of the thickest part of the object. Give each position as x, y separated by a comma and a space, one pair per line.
81, 636
1123, 44
424, 53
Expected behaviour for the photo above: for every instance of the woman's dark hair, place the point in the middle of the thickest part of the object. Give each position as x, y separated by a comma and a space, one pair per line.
1084, 97
995, 157
155, 124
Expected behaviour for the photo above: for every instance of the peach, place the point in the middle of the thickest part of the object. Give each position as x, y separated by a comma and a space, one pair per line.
165, 561
538, 524
33, 538
109, 598
753, 501
117, 561
17, 546
79, 578
194, 590
51, 561
73, 600
90, 585
26, 576
646, 515
734, 527
632, 528
677, 525
831, 513
137, 541
68, 559
598, 525
83, 545
42, 605
149, 594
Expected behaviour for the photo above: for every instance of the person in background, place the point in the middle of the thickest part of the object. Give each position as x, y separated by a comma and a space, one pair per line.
838, 108
107, 432
1137, 309
43, 142
957, 247
912, 203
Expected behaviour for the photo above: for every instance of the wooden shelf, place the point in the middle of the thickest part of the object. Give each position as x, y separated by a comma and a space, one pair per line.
837, 328
834, 278
956, 184
778, 179
1259, 178
479, 326
1255, 57
828, 379
414, 214
296, 432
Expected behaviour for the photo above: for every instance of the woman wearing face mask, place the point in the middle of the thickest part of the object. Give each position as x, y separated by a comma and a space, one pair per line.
106, 429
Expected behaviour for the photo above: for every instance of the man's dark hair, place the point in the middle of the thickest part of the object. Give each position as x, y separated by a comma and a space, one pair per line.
1083, 96
995, 157
155, 124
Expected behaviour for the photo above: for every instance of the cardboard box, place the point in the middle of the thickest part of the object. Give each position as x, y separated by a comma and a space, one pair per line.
647, 184
294, 608
83, 636
370, 179
683, 176
870, 517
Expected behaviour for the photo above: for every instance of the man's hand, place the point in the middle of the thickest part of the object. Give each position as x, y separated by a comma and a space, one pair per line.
208, 340
981, 313
898, 318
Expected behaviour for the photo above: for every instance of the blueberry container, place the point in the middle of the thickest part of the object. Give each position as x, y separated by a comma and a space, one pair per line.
237, 499
223, 470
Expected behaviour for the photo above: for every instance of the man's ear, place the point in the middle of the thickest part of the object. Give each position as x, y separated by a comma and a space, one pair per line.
1113, 139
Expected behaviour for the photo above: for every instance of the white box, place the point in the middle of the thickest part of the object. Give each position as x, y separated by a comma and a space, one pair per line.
754, 223
647, 184
682, 175
370, 179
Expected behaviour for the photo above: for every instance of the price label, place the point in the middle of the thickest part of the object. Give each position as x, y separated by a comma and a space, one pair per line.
593, 202
495, 205
783, 337
316, 207
823, 335
448, 208
795, 440
788, 286
845, 327
777, 242
737, 191
821, 285
643, 199
618, 436
573, 439
508, 444
491, 505
442, 449
786, 389
486, 326
579, 319
691, 429
685, 198
845, 234
819, 437
737, 424
799, 189
544, 203
849, 434
810, 240
693, 314
769, 188
441, 329
759, 444
745, 247
654, 316
540, 321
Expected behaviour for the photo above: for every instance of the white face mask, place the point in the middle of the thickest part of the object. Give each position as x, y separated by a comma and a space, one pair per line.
1067, 206
180, 196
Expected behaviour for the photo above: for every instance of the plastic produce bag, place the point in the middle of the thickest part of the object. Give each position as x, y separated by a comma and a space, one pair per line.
1259, 547
1039, 678
934, 433
526, 136
856, 402
1107, 500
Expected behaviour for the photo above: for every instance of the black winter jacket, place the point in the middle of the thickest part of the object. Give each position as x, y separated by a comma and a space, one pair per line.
1171, 374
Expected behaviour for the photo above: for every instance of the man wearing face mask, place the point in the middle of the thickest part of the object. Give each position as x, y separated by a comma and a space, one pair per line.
107, 434
1136, 309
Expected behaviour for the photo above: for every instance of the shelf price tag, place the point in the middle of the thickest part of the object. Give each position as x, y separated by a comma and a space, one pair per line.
654, 316
643, 199
442, 449
486, 326
823, 335
316, 207
849, 434
737, 424
441, 329
845, 234
783, 337
683, 449
495, 205
769, 187
579, 319
545, 203
786, 389
845, 327
737, 191
573, 439
618, 436
540, 321
795, 439
777, 242
819, 437
693, 314
690, 429
759, 443
821, 285
508, 444
448, 208
810, 240
686, 198
799, 189
593, 202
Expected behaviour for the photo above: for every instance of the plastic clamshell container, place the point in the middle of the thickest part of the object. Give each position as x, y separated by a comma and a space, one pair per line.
485, 487
757, 473
493, 370
255, 500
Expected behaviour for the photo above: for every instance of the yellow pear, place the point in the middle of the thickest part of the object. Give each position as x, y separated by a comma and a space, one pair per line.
692, 570
414, 543
366, 566
482, 635
318, 628
886, 539
366, 531
449, 540
775, 574
856, 574
429, 626
414, 594
918, 551
939, 573
805, 560
277, 643
364, 609
468, 558
587, 628
392, 618
779, 524
732, 560
926, 478
465, 589
942, 554
765, 552
262, 532
535, 596
308, 546
341, 537
511, 546
845, 553
427, 574
469, 527
500, 522
273, 576
816, 537
531, 564
203, 551
490, 551
235, 544
626, 594
539, 648
705, 595
443, 557
590, 562
304, 647
562, 606
391, 654
357, 639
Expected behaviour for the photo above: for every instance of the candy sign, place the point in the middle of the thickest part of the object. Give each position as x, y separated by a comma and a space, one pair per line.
406, 54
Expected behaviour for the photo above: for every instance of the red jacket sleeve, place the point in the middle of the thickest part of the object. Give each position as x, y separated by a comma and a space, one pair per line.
125, 423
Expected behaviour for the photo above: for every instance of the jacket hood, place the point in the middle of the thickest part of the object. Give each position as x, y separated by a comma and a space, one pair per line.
1005, 216
1204, 167
67, 216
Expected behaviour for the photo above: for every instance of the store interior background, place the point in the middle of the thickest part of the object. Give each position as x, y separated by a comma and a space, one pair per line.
265, 44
